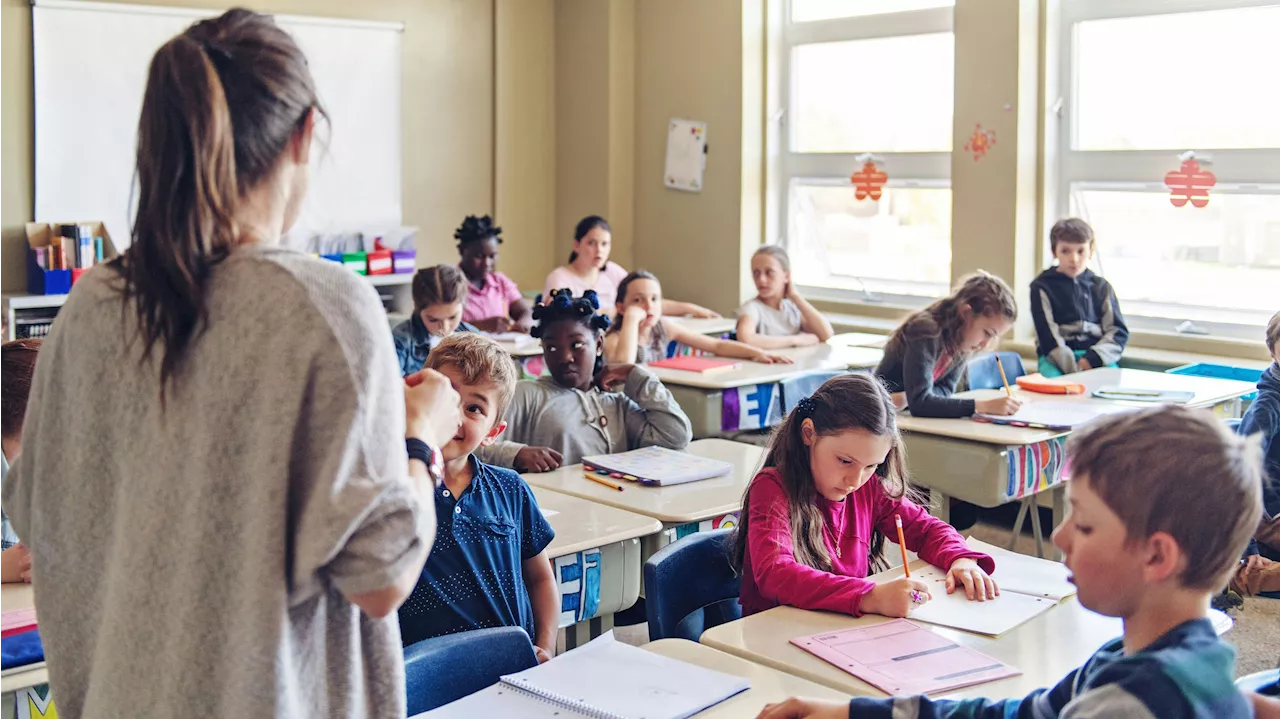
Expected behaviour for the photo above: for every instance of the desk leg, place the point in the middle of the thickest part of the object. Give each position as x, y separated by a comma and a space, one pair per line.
1058, 495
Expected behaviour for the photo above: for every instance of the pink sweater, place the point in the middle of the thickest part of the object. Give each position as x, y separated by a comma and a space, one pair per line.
772, 576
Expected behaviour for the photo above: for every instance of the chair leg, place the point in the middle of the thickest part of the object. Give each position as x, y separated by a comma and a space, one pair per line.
1017, 524
1035, 525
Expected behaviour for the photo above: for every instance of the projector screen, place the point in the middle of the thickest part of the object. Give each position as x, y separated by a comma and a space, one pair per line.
91, 60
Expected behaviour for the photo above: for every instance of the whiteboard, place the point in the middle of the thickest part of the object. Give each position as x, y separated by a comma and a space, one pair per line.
91, 60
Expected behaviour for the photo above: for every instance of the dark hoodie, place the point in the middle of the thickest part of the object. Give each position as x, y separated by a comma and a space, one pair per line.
1077, 314
1264, 417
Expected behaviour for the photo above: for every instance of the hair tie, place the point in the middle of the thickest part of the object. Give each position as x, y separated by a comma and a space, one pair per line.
806, 407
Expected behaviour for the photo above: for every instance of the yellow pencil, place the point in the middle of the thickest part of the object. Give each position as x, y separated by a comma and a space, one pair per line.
602, 480
902, 544
1003, 377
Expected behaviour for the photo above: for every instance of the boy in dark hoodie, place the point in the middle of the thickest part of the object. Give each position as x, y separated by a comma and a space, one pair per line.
1076, 314
1263, 418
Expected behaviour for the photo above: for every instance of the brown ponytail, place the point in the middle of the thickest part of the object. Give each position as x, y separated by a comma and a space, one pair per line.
222, 103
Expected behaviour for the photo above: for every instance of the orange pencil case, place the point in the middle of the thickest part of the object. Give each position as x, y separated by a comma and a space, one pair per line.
1039, 383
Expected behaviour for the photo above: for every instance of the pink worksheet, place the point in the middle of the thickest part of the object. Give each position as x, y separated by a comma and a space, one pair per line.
904, 659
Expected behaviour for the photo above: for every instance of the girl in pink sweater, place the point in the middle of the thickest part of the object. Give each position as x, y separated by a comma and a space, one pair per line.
815, 518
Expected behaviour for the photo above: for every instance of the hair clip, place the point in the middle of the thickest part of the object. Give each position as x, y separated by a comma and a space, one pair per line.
806, 407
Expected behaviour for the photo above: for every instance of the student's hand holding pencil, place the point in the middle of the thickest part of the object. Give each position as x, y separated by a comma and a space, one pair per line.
896, 598
1003, 406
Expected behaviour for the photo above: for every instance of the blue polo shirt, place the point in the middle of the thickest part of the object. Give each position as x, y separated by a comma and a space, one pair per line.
473, 577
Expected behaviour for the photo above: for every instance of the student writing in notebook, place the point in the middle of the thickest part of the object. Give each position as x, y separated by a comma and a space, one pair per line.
1161, 503
583, 406
815, 518
639, 333
927, 354
779, 316
589, 268
494, 303
489, 565
438, 295
17, 365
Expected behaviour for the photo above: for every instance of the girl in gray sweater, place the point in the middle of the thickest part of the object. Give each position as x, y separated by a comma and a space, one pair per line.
577, 410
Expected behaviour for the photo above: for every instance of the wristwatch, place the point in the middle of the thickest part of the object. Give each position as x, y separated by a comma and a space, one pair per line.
428, 455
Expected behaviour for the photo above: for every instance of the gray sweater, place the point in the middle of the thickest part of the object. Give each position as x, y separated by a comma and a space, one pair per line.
908, 366
577, 423
198, 558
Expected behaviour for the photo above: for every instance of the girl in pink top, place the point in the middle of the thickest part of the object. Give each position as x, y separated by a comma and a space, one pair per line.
589, 268
833, 480
494, 303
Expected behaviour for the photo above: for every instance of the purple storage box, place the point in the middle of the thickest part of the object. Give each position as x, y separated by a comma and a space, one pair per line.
403, 261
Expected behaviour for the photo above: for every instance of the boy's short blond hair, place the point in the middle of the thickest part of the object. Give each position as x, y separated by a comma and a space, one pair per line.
481, 361
1273, 337
1180, 471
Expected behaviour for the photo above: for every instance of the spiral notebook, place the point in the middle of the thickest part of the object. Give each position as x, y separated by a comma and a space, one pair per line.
604, 679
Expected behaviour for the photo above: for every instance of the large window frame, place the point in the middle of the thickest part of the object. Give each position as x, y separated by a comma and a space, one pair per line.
905, 169
1254, 171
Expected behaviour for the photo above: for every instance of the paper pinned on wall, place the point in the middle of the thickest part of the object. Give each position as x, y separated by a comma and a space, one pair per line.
686, 154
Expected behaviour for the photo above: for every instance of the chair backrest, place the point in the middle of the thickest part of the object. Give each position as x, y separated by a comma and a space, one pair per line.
690, 586
1265, 682
444, 669
984, 373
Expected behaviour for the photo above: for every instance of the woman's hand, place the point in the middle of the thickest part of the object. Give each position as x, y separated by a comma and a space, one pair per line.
431, 411
977, 584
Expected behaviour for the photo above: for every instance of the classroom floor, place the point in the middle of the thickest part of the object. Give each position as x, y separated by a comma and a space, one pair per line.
1256, 634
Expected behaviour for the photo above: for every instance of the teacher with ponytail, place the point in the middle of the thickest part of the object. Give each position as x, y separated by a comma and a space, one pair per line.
224, 480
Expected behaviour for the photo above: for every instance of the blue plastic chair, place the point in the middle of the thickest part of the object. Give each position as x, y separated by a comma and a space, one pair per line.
1264, 682
794, 389
444, 669
984, 373
690, 586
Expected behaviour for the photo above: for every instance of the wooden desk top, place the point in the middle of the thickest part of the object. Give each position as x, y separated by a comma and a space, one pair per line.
709, 326
1208, 391
1045, 648
677, 504
817, 358
768, 686
581, 524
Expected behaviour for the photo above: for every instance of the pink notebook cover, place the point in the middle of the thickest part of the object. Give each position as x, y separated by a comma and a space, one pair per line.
904, 659
694, 364
17, 622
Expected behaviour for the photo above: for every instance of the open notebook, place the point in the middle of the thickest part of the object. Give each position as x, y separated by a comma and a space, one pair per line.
993, 617
604, 679
656, 466
1053, 414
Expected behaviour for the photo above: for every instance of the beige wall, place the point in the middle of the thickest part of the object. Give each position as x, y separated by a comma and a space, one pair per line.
448, 108
525, 138
690, 64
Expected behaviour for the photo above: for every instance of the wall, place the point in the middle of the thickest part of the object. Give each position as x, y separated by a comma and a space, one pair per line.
448, 107
690, 64
525, 138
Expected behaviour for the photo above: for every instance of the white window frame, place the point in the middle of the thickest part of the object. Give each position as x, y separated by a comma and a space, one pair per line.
905, 169
1254, 171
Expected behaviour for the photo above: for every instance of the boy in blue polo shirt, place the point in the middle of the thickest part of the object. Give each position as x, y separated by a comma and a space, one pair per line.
489, 565
1162, 502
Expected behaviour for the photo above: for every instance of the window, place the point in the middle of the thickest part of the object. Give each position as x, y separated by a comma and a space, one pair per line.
867, 76
1146, 81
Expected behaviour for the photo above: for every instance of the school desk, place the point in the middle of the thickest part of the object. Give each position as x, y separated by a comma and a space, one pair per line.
32, 678
748, 396
768, 685
990, 464
1045, 648
596, 560
683, 508
711, 326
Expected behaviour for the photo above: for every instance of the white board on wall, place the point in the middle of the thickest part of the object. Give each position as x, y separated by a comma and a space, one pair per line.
91, 60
